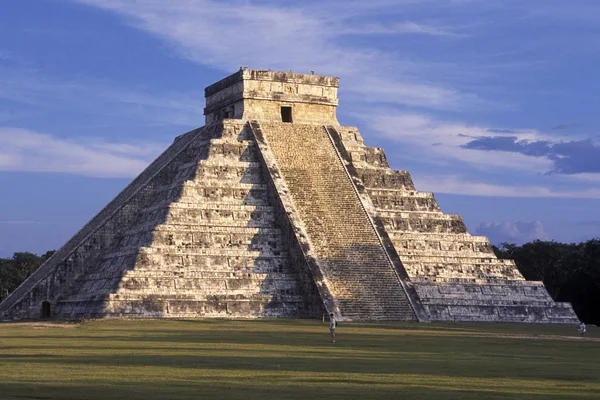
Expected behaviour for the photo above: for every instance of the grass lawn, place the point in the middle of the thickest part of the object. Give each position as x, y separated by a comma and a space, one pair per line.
293, 359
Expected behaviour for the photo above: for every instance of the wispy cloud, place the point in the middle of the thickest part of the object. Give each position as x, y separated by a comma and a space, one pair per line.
36, 91
568, 157
25, 150
526, 150
443, 141
453, 184
17, 222
512, 231
227, 34
406, 27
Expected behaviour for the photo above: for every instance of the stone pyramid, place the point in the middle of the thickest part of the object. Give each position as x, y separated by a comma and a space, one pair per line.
272, 209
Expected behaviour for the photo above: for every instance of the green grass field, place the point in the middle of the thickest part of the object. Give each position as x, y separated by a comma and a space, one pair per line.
293, 359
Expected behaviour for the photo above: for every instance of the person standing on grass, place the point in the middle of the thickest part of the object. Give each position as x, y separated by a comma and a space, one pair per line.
581, 329
332, 325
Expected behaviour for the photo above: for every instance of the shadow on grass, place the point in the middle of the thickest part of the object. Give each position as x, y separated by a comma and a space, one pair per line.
249, 388
459, 364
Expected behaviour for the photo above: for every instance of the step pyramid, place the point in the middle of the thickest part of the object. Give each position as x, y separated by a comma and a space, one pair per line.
272, 209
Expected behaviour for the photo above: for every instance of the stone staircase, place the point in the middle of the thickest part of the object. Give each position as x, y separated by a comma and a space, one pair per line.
348, 252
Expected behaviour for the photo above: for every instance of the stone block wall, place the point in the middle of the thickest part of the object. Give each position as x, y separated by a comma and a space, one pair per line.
259, 94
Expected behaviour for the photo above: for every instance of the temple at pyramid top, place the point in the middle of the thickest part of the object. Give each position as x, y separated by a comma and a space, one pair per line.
273, 96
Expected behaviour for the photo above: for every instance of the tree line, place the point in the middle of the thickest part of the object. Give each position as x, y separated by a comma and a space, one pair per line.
15, 270
570, 272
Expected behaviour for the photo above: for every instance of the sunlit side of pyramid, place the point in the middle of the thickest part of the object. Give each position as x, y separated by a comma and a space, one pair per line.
272, 209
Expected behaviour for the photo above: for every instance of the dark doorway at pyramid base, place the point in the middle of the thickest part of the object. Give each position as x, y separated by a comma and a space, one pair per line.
45, 310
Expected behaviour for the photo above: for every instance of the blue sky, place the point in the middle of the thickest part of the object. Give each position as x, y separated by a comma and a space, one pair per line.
492, 105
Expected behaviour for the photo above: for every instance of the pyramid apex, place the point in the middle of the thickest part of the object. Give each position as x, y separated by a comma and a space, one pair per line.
273, 96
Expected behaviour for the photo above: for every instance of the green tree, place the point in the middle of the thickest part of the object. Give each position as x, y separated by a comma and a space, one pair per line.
13, 271
570, 272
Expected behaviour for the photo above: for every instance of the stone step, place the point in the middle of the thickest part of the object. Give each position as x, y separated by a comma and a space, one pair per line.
553, 314
233, 227
418, 215
466, 275
192, 228
149, 251
437, 237
191, 240
212, 181
276, 271
443, 248
219, 216
386, 178
191, 295
199, 273
463, 280
231, 140
431, 225
439, 259
166, 242
209, 266
189, 308
405, 204
507, 289
230, 163
250, 173
423, 255
223, 149
183, 296
490, 301
162, 209
177, 188
399, 193
462, 277
204, 237
213, 192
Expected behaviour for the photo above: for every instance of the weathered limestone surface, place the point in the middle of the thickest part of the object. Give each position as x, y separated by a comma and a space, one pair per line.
274, 210
456, 275
251, 94
351, 258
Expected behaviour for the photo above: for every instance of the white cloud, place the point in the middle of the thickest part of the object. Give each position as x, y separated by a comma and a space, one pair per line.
396, 29
456, 185
441, 141
383, 90
28, 87
586, 177
25, 150
229, 34
21, 222
512, 232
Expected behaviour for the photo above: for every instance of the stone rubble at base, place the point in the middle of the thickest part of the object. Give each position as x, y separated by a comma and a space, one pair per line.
254, 217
